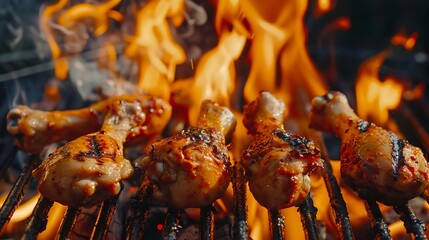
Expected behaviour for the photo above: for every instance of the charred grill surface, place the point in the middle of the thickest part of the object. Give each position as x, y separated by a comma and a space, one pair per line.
17, 192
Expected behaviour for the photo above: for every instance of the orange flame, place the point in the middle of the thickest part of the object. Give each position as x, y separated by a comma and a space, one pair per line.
214, 76
97, 14
278, 38
277, 35
60, 64
408, 42
153, 47
374, 97
324, 6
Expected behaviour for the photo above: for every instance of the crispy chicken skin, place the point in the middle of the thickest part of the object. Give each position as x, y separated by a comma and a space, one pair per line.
34, 129
278, 163
90, 169
373, 160
191, 168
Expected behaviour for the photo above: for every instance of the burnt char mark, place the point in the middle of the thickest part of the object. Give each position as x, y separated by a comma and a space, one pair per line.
95, 150
303, 145
363, 126
398, 159
208, 137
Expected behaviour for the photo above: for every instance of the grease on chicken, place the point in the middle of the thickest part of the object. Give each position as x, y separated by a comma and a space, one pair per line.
34, 129
191, 168
90, 169
373, 160
278, 163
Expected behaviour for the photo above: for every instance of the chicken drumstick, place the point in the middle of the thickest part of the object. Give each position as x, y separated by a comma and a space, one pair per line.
34, 129
90, 169
278, 163
373, 160
191, 168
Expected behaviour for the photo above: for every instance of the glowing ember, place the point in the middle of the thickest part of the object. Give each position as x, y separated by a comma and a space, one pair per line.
324, 6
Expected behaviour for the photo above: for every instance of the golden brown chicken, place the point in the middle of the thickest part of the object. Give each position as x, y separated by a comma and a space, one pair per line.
278, 163
34, 129
373, 160
191, 168
90, 168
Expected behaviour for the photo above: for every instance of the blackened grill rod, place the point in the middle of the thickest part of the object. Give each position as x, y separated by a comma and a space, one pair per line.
104, 218
241, 229
277, 224
411, 223
379, 226
67, 224
140, 206
38, 219
308, 213
17, 192
171, 226
207, 223
337, 201
334, 191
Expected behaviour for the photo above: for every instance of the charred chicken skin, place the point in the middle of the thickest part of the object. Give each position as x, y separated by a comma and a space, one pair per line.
373, 160
34, 129
191, 168
278, 163
90, 169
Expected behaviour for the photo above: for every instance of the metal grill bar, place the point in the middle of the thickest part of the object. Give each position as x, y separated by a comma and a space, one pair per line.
207, 223
68, 222
334, 191
171, 226
379, 226
241, 229
39, 218
104, 218
308, 218
337, 201
17, 192
277, 224
411, 223
140, 206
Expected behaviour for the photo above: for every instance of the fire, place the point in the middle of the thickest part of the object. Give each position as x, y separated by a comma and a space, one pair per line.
324, 6
68, 20
375, 96
214, 76
278, 60
407, 42
153, 46
278, 39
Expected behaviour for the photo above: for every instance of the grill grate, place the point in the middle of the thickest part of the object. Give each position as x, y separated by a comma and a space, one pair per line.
17, 192
68, 223
141, 203
38, 219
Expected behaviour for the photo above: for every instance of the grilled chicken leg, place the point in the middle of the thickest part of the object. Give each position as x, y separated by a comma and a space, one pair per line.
90, 168
373, 160
191, 168
278, 163
34, 129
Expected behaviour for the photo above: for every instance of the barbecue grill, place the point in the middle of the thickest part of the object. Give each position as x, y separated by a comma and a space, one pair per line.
410, 118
